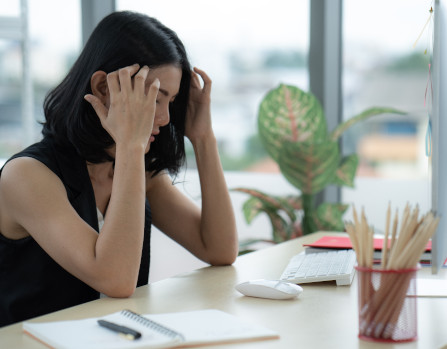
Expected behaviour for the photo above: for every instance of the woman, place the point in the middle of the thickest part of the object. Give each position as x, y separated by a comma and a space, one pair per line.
114, 128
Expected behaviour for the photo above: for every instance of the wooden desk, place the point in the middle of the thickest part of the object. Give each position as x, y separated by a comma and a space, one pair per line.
324, 316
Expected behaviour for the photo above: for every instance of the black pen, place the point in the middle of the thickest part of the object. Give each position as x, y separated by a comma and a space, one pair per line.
124, 331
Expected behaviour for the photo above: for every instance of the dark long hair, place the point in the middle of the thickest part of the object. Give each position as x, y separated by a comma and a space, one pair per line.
120, 39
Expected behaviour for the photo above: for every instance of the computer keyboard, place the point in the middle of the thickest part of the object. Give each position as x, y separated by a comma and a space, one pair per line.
331, 265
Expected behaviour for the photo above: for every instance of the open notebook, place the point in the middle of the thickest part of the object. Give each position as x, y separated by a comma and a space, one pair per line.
168, 330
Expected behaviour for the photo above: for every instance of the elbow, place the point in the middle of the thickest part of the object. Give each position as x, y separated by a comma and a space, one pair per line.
122, 293
221, 252
118, 288
223, 262
230, 259
227, 258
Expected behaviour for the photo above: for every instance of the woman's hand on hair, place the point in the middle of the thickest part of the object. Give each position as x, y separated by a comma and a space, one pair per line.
128, 114
198, 117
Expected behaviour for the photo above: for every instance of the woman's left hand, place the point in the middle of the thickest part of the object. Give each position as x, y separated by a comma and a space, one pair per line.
198, 117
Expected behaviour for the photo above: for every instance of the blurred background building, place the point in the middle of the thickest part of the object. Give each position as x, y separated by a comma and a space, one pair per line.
248, 48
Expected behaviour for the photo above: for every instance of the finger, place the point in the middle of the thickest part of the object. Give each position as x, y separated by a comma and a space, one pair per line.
195, 81
153, 90
151, 99
97, 105
134, 68
140, 79
125, 76
113, 83
206, 79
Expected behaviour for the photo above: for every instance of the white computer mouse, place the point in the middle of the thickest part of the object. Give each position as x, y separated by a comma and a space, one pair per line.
272, 289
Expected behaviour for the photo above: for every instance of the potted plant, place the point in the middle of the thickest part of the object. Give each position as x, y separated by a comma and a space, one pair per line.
292, 128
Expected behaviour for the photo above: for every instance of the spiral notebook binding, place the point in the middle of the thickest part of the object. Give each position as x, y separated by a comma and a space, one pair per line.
152, 324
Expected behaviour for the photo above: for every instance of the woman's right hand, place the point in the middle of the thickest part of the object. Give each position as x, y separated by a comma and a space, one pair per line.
128, 114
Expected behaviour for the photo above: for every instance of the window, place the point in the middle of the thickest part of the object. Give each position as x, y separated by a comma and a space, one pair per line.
382, 68
54, 43
247, 48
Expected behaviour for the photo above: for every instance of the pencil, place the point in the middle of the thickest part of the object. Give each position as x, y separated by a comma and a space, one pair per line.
393, 234
385, 239
381, 302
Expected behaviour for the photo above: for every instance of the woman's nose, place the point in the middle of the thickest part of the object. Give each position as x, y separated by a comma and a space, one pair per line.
162, 116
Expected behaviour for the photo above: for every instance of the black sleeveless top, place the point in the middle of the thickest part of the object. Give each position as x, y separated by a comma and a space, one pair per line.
31, 282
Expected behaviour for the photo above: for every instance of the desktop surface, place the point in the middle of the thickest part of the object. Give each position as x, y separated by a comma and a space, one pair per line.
323, 316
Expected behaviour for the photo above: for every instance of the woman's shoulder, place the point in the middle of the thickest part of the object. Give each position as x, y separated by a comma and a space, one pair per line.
156, 180
34, 162
23, 169
24, 183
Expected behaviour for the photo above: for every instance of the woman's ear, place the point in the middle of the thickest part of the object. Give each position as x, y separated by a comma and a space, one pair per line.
98, 84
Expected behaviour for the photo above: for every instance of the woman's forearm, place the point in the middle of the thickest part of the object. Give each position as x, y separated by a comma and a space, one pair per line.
218, 226
120, 242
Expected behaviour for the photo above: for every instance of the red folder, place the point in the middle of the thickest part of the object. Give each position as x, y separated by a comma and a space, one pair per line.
343, 242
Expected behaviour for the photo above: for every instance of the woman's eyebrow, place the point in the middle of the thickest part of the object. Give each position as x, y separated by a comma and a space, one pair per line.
166, 93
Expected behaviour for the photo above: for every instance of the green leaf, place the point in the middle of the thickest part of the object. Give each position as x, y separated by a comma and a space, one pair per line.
309, 166
289, 204
329, 216
281, 227
251, 208
294, 202
287, 113
281, 212
338, 131
345, 174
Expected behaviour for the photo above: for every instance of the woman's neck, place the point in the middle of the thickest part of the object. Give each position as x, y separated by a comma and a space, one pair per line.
100, 172
101, 176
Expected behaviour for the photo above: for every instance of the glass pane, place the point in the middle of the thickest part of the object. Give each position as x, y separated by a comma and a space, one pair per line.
55, 41
11, 8
385, 64
382, 68
247, 48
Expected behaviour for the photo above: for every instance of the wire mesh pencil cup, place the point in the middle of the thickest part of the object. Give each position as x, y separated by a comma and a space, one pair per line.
387, 304
387, 294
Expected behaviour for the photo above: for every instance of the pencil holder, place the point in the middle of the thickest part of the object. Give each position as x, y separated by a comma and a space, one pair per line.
387, 305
